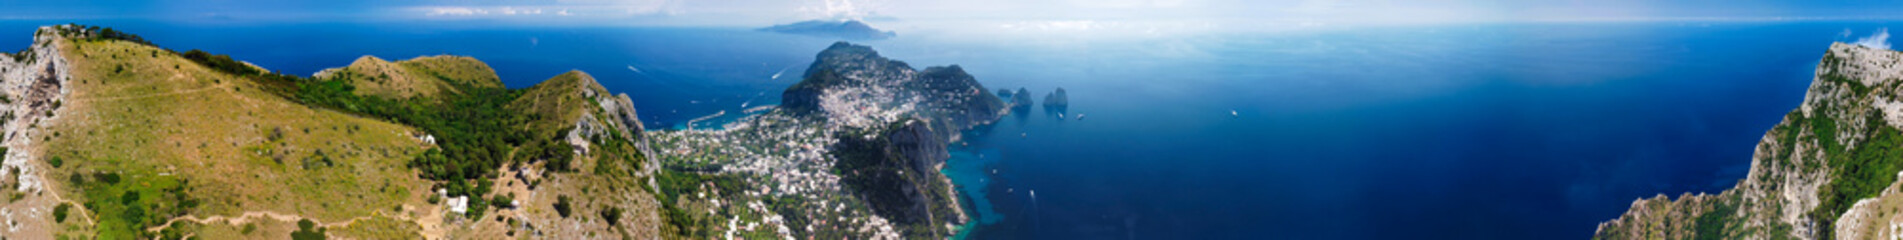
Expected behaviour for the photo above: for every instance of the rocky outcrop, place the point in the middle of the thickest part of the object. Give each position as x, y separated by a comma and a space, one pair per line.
1057, 102
34, 84
1813, 176
1021, 100
1057, 99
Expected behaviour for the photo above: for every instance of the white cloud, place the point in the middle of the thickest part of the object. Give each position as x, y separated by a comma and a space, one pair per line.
1879, 40
592, 8
520, 11
841, 9
453, 11
1127, 4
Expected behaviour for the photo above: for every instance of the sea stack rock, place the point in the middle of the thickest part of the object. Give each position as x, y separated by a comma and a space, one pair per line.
1057, 100
1022, 100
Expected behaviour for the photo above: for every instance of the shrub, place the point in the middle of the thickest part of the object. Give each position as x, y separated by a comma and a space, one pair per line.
562, 206
307, 230
612, 214
59, 212
502, 201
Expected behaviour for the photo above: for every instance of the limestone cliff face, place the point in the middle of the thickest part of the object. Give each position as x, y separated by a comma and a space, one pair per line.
32, 84
1828, 171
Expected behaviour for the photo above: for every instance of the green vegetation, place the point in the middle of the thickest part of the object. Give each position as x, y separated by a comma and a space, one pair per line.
562, 206
59, 212
125, 205
1860, 173
307, 230
1718, 222
473, 128
168, 135
891, 184
502, 201
208, 128
97, 33
674, 182
612, 214
377, 227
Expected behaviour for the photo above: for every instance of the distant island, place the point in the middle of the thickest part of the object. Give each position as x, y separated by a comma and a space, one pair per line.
843, 29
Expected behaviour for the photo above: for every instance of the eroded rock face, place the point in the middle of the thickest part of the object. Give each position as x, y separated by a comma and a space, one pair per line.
1801, 174
33, 83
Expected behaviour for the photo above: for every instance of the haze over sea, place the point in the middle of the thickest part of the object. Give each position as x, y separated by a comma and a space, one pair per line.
1523, 131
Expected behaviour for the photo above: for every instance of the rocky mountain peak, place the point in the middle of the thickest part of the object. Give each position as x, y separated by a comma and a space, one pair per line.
851, 85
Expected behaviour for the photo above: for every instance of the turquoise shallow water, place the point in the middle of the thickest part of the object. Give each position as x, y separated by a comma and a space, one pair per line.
1511, 131
968, 173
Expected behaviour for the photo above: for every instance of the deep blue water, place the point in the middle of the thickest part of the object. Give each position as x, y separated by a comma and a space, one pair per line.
1516, 131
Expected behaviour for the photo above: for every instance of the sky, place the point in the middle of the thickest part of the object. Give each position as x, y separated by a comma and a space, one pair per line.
1233, 14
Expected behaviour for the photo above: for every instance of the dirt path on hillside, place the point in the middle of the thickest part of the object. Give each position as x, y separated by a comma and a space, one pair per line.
428, 231
247, 218
179, 92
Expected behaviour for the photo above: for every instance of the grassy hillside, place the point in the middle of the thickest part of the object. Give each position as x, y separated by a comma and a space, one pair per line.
599, 165
425, 77
158, 143
149, 136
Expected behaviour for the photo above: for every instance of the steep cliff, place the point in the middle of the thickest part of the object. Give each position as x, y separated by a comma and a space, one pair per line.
896, 172
1828, 171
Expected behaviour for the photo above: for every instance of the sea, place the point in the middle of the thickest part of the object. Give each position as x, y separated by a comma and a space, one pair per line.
1453, 131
